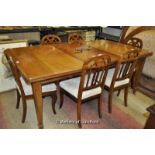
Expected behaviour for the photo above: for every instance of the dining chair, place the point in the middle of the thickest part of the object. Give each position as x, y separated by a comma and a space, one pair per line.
75, 38
25, 92
89, 86
50, 39
119, 78
135, 42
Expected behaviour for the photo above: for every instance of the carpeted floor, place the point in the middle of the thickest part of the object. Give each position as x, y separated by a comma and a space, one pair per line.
132, 117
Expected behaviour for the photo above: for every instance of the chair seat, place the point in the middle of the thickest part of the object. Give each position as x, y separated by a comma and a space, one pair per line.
28, 89
117, 83
72, 86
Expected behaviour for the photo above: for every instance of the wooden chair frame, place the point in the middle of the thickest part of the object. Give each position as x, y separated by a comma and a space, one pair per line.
123, 70
93, 75
22, 94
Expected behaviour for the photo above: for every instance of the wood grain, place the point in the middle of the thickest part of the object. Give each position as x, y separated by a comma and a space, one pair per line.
41, 63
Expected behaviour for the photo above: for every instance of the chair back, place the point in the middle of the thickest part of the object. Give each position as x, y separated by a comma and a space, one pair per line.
94, 73
127, 66
50, 39
16, 74
136, 42
75, 38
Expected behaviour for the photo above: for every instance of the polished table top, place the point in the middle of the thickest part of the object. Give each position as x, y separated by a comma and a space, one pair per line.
38, 63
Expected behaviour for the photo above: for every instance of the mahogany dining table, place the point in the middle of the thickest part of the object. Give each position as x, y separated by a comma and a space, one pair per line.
38, 64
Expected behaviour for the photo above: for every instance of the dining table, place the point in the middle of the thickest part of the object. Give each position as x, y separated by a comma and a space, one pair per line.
42, 63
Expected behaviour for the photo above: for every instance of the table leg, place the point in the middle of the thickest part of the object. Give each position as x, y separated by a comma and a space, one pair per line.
150, 123
137, 76
37, 92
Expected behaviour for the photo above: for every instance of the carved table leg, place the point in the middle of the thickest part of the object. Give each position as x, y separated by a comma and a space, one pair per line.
37, 92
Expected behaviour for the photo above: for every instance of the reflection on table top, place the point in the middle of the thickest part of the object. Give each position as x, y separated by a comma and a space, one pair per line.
116, 48
84, 52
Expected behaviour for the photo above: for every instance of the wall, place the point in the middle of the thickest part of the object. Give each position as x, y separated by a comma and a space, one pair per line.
148, 38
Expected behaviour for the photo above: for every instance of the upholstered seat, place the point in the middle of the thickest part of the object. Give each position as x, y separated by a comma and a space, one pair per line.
28, 89
117, 83
72, 86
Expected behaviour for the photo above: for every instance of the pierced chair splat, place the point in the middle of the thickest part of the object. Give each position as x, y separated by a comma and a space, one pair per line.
50, 39
75, 38
136, 42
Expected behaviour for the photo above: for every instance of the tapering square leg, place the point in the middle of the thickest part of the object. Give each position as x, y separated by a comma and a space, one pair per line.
37, 92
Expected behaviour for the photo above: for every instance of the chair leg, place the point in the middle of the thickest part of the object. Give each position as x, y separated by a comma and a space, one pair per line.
133, 82
118, 92
125, 96
100, 106
24, 110
134, 90
57, 85
54, 99
18, 99
110, 102
61, 99
79, 114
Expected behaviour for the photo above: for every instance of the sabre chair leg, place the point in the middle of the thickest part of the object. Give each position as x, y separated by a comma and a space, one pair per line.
18, 99
118, 92
110, 102
54, 99
79, 114
100, 106
125, 96
24, 110
61, 99
133, 82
